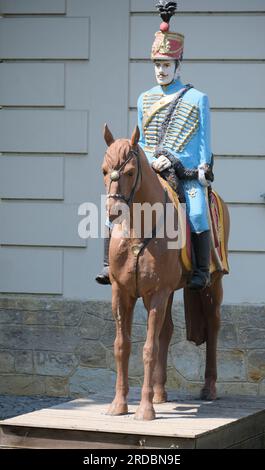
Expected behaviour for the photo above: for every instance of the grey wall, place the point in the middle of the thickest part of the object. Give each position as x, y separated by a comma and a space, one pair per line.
68, 67
59, 83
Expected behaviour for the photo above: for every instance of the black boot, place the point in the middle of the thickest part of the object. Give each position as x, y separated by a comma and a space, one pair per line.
103, 276
201, 244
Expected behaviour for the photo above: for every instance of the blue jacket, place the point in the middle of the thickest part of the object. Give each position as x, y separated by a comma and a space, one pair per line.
187, 137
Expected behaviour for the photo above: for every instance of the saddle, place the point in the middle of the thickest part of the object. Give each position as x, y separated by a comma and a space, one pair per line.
219, 260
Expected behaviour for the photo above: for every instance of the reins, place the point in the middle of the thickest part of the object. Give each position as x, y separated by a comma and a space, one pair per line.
115, 175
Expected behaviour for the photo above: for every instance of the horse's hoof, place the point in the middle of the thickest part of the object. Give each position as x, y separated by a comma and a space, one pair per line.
208, 394
160, 398
145, 414
117, 409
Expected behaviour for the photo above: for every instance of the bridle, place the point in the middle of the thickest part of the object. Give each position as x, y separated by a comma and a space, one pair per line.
116, 174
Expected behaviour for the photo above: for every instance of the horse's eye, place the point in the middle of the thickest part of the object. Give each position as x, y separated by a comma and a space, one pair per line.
104, 172
130, 173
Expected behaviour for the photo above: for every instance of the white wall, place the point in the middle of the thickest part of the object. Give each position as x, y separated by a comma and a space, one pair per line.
60, 80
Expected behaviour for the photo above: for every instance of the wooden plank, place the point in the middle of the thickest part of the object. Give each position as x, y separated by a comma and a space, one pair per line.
57, 424
32, 6
207, 414
245, 283
212, 425
40, 224
204, 5
31, 270
99, 425
31, 177
256, 442
44, 38
43, 131
233, 132
233, 433
210, 30
75, 422
62, 439
31, 84
100, 398
252, 187
206, 77
180, 426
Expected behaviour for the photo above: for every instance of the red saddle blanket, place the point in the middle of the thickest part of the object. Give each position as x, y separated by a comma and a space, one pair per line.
219, 260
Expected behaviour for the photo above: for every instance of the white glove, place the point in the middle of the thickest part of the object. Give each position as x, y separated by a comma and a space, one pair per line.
161, 163
201, 176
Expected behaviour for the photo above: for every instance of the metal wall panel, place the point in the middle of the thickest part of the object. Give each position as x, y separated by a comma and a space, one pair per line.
238, 132
240, 179
204, 36
43, 131
204, 5
44, 224
223, 82
80, 270
31, 177
31, 84
80, 168
31, 270
32, 6
82, 7
101, 85
247, 228
78, 85
245, 283
44, 38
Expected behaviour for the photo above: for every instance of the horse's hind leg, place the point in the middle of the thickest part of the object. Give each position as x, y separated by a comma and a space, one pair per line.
156, 315
122, 307
160, 372
211, 301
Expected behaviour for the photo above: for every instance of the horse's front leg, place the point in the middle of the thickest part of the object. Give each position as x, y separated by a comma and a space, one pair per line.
156, 315
160, 372
122, 307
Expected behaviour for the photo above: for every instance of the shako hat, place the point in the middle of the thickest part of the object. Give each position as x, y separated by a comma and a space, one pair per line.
167, 45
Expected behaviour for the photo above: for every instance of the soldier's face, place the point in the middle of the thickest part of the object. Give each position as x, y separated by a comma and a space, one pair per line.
164, 71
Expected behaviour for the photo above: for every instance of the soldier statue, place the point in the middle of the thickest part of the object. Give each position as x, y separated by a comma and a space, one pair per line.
174, 123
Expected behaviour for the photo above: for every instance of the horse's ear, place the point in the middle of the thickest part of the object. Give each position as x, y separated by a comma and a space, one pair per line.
108, 136
135, 136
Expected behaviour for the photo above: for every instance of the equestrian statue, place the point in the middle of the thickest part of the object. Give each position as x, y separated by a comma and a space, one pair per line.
167, 160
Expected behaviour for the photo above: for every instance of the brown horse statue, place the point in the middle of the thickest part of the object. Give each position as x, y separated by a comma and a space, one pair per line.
153, 273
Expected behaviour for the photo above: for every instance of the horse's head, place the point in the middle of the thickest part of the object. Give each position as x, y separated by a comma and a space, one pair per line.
121, 168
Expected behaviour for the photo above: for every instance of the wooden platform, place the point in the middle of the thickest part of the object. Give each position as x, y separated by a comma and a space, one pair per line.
233, 422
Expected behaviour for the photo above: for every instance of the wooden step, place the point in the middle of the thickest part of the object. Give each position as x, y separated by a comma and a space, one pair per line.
229, 422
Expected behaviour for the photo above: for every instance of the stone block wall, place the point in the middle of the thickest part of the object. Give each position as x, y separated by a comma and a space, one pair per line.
61, 347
